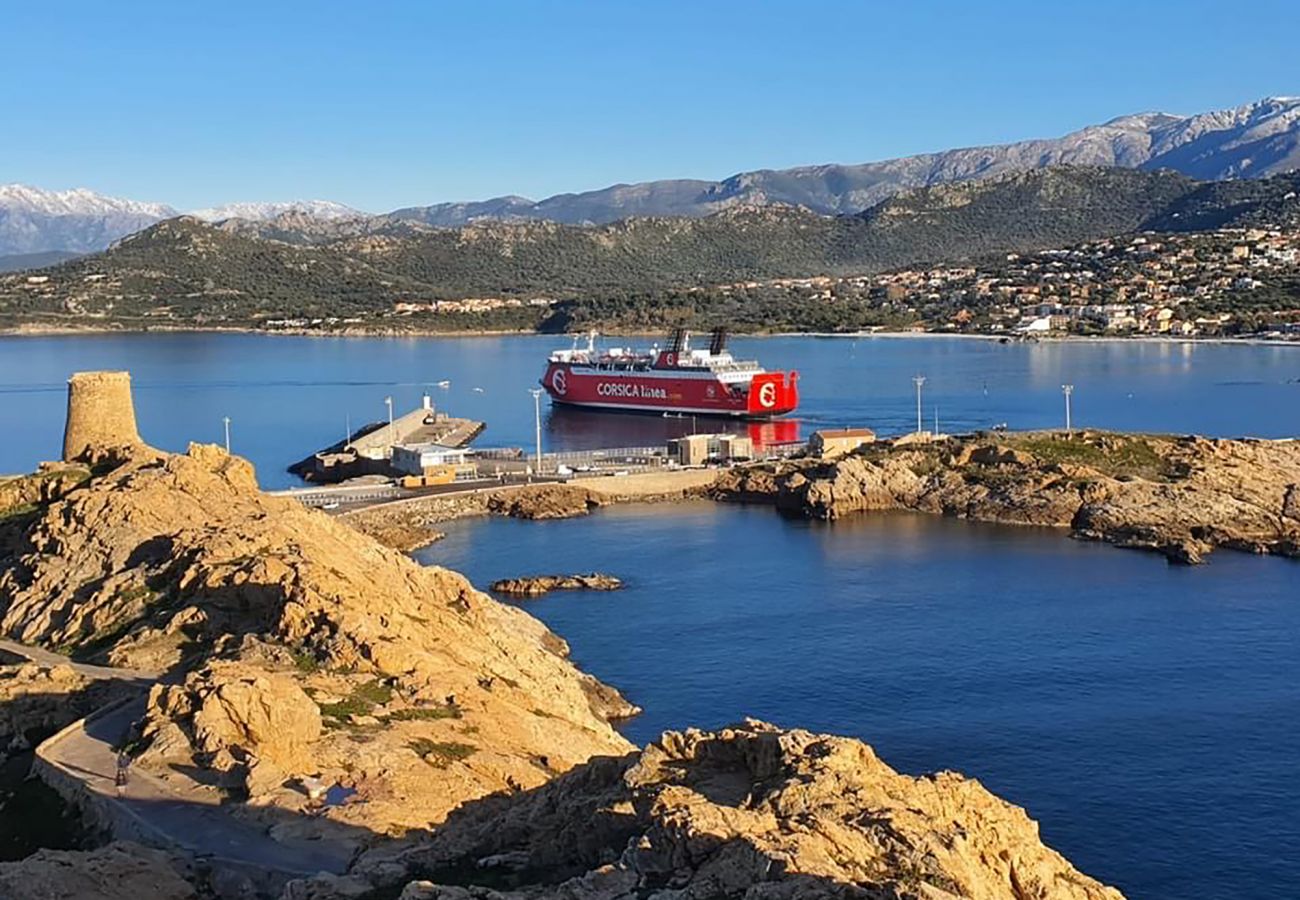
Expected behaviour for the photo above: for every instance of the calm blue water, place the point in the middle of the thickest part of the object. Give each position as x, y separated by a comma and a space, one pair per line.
288, 396
1147, 715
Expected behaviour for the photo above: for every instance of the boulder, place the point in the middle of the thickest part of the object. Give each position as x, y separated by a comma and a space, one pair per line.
118, 871
753, 811
536, 585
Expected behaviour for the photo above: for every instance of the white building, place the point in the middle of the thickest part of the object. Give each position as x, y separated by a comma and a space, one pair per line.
415, 459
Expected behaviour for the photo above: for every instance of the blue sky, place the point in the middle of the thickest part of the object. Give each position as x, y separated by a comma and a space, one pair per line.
382, 105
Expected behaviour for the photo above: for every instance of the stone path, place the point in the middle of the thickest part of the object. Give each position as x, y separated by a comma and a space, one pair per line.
194, 821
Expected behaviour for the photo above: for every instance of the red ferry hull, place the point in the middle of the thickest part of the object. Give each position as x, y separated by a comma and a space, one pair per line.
768, 394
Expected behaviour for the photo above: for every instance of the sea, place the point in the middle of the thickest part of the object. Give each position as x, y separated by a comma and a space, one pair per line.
1147, 715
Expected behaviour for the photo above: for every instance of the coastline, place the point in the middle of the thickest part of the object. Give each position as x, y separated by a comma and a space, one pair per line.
35, 331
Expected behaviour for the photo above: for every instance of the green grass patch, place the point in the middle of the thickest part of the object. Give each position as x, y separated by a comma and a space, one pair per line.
305, 661
424, 713
442, 753
361, 702
1112, 454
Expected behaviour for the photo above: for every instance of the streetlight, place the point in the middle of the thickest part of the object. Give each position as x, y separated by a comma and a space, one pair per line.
1067, 389
918, 380
226, 421
389, 402
537, 418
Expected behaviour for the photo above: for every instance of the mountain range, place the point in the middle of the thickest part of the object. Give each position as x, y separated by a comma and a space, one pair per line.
184, 272
1250, 141
1254, 140
37, 223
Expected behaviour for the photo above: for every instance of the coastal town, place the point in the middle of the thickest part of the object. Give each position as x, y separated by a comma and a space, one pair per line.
1231, 282
1223, 283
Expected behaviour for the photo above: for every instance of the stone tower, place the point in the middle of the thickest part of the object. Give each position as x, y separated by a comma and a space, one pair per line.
100, 414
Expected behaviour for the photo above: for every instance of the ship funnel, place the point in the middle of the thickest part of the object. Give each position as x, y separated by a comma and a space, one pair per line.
718, 341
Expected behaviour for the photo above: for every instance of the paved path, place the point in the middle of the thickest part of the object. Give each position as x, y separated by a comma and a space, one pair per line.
194, 820
196, 823
48, 658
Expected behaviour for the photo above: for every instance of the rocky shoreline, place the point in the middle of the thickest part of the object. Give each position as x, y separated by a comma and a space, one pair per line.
326, 695
1180, 496
410, 524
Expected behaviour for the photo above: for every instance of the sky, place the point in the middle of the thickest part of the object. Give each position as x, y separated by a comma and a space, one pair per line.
387, 104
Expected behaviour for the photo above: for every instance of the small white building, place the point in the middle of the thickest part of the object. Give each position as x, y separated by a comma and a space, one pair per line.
416, 459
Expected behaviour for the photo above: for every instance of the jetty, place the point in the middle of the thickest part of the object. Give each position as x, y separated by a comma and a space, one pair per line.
369, 450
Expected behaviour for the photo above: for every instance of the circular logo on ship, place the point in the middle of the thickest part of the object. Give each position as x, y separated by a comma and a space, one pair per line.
767, 395
559, 382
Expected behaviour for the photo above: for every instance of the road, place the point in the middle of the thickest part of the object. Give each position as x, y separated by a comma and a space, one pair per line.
48, 658
194, 821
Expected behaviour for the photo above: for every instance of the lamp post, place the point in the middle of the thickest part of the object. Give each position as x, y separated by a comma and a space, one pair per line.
918, 380
226, 421
389, 402
1067, 390
537, 420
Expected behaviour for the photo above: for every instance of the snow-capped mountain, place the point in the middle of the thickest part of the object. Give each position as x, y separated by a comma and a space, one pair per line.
76, 202
1250, 141
325, 210
34, 221
77, 221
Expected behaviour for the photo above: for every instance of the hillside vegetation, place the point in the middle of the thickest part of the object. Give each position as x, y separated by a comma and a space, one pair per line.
638, 272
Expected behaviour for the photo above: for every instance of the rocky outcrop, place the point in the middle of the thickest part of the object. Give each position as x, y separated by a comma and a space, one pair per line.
750, 811
230, 714
1180, 496
119, 871
45, 486
179, 562
37, 700
410, 524
536, 585
545, 501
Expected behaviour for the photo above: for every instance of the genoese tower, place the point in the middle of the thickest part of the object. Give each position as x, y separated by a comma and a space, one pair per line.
100, 413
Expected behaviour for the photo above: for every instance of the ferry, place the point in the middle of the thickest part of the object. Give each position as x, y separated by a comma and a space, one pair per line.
676, 378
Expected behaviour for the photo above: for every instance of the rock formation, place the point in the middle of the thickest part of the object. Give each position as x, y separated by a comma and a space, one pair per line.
37, 700
410, 524
302, 654
430, 692
749, 811
100, 414
119, 871
536, 585
1180, 496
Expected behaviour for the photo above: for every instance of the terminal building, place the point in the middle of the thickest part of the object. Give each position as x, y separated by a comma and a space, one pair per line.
698, 449
430, 463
